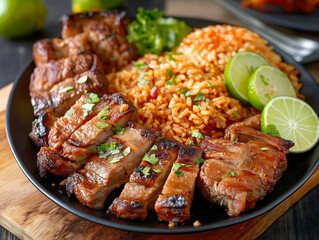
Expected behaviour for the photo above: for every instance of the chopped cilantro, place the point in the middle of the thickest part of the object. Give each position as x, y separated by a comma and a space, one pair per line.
199, 160
82, 79
176, 166
264, 148
178, 173
140, 65
231, 174
116, 159
70, 111
102, 148
87, 107
146, 170
93, 98
155, 148
191, 143
118, 129
157, 170
85, 91
102, 125
183, 91
141, 80
214, 86
199, 96
151, 158
164, 62
159, 138
126, 151
207, 100
197, 134
264, 80
197, 103
172, 75
66, 89
104, 116
170, 55
235, 114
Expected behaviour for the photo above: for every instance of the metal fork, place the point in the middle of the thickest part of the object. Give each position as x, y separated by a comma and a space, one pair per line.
303, 50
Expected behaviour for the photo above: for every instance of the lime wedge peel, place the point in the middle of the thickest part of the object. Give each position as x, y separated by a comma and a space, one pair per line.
238, 71
294, 120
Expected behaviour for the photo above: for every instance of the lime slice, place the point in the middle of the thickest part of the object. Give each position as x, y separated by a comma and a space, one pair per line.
238, 71
292, 119
266, 83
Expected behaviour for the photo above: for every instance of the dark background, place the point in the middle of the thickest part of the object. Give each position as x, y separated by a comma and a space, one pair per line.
299, 222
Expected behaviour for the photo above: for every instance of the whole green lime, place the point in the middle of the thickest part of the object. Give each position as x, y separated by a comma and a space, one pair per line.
20, 18
91, 5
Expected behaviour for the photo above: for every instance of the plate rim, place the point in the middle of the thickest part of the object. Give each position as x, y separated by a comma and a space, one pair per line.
178, 230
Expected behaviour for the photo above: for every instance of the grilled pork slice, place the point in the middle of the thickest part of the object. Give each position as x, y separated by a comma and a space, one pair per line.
175, 201
45, 76
51, 161
111, 166
40, 129
86, 108
146, 182
64, 94
236, 175
106, 32
95, 131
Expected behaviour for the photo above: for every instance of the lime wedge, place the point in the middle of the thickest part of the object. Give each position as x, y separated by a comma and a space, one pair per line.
292, 119
266, 83
238, 71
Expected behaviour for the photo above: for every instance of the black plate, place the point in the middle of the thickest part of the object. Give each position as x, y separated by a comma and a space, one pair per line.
276, 15
18, 125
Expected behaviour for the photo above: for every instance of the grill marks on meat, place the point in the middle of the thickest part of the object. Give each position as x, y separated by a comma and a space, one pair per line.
83, 141
106, 33
175, 201
92, 184
237, 174
141, 192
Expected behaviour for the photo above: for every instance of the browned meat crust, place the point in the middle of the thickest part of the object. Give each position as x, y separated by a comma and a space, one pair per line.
141, 192
101, 175
175, 201
237, 174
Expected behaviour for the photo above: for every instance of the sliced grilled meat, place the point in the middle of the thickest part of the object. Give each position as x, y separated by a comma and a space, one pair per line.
237, 174
111, 166
51, 161
175, 201
45, 76
82, 142
146, 182
106, 32
64, 94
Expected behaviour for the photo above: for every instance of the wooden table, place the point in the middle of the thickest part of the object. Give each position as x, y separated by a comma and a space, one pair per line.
300, 222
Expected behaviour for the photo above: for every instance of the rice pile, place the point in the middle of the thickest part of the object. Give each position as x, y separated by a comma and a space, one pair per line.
199, 70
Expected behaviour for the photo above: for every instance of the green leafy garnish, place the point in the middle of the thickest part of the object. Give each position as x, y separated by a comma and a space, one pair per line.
183, 91
191, 143
140, 65
118, 129
207, 100
264, 148
102, 125
186, 92
231, 174
116, 159
141, 80
199, 96
272, 130
151, 158
105, 114
176, 166
126, 151
93, 98
87, 107
199, 160
70, 111
155, 148
197, 134
152, 33
170, 55
235, 114
178, 173
146, 170
214, 86
172, 75
197, 103
264, 80
157, 170
66, 89
159, 138
82, 79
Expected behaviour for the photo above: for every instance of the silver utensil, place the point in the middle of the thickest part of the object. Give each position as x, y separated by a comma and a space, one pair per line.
303, 50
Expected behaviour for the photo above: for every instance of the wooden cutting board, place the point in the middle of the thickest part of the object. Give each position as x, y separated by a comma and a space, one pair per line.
28, 214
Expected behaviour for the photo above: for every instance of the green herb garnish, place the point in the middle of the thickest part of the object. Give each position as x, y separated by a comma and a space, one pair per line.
170, 55
146, 170
172, 75
105, 114
66, 89
93, 98
140, 65
141, 80
151, 158
178, 173
116, 159
199, 160
264, 148
118, 129
82, 79
235, 114
176, 166
87, 107
155, 148
102, 125
191, 143
231, 174
214, 86
157, 170
126, 151
70, 111
197, 134
197, 103
199, 96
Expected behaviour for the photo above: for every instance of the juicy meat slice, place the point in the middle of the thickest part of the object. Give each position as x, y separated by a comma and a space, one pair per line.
244, 134
95, 131
51, 161
64, 94
146, 182
237, 174
106, 33
45, 76
111, 166
175, 201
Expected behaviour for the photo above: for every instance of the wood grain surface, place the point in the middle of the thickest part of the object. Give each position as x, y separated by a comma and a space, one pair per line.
30, 215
